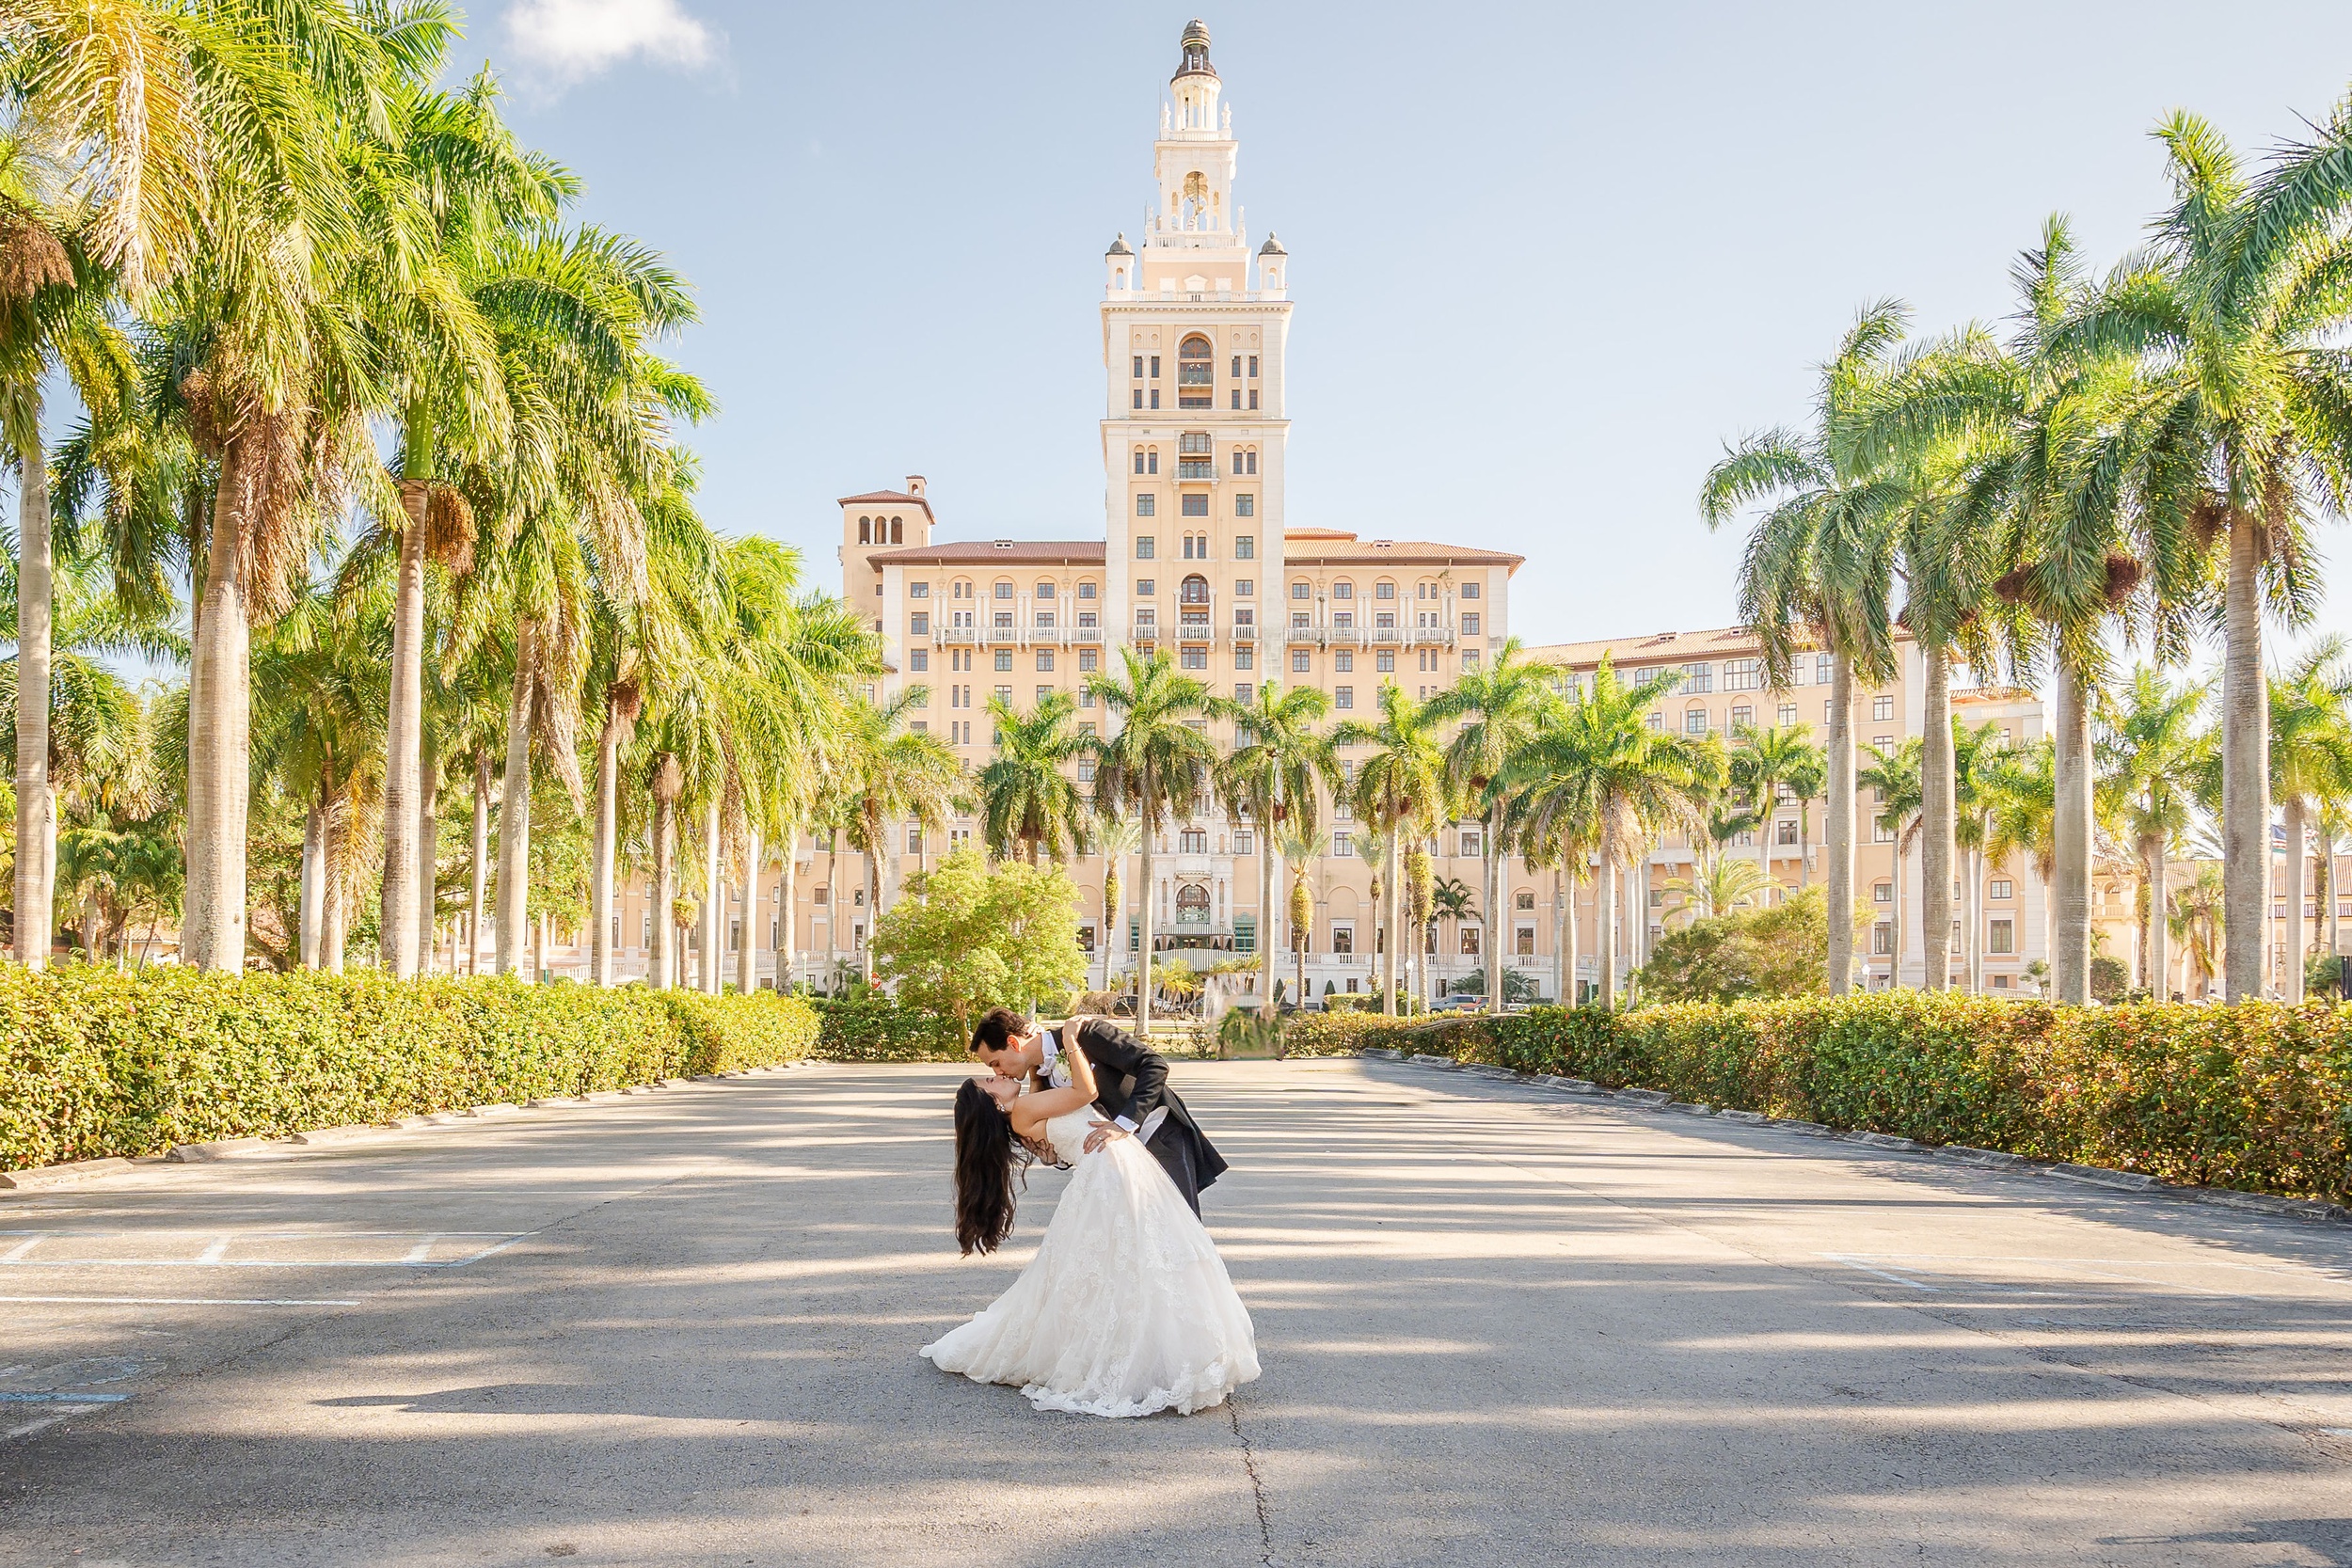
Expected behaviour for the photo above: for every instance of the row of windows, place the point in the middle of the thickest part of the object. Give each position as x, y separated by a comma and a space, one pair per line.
1200, 464
1195, 506
1343, 589
1193, 351
882, 531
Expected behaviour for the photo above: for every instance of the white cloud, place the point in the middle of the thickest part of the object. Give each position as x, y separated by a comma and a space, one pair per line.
564, 41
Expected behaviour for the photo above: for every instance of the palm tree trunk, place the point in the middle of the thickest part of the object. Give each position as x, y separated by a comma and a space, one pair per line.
661, 959
2245, 769
480, 891
2070, 967
1937, 816
313, 896
1805, 844
1563, 937
2155, 948
36, 808
220, 715
747, 950
785, 911
1149, 892
1975, 858
514, 814
332, 915
2298, 878
2335, 911
1388, 920
1299, 933
539, 949
1606, 916
1266, 916
1895, 961
1494, 906
1839, 828
428, 854
404, 735
873, 906
832, 904
600, 868
714, 902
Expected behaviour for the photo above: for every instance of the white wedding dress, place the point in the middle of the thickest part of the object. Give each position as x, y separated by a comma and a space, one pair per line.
1125, 1311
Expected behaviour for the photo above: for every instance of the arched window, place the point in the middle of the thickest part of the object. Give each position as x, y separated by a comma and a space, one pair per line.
897, 530
1194, 590
1138, 459
865, 530
1196, 374
1192, 899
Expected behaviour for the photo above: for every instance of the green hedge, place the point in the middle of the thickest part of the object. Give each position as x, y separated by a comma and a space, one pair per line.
1344, 1033
2256, 1095
94, 1063
873, 1027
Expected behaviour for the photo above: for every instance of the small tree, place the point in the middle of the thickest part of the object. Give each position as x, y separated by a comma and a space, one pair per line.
968, 936
1746, 953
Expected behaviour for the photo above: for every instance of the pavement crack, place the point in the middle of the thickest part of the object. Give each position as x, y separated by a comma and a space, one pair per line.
1257, 1483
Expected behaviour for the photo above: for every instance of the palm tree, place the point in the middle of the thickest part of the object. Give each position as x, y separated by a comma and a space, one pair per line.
1762, 764
888, 773
1721, 889
1894, 778
1500, 704
102, 175
2310, 763
1300, 849
1598, 768
2019, 787
465, 190
1972, 746
2195, 919
1275, 776
2238, 428
1029, 805
1400, 791
1115, 839
1816, 562
2156, 746
1154, 767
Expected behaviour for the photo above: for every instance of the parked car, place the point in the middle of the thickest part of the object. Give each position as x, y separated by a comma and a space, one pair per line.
1461, 1002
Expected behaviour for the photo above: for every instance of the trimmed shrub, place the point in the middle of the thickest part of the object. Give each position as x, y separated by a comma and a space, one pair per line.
1344, 1033
874, 1026
2255, 1096
94, 1063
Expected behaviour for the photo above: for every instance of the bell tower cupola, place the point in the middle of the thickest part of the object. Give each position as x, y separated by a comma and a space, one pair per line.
1195, 85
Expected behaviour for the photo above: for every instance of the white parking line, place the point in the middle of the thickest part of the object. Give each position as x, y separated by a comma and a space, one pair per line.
1890, 1278
215, 1253
422, 1250
27, 1245
174, 1301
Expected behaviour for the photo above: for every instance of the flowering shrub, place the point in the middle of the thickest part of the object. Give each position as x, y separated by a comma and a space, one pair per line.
96, 1063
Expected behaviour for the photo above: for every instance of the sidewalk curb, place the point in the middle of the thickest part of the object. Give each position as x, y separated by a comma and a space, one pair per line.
2310, 1210
42, 1177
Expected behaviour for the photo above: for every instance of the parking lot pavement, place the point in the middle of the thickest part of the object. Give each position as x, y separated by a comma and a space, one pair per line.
1499, 1326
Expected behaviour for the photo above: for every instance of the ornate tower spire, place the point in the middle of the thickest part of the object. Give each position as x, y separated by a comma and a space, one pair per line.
1196, 87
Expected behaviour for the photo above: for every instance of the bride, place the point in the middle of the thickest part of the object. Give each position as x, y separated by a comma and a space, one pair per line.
1127, 1309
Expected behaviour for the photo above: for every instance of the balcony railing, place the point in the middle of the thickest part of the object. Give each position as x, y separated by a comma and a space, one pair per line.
1432, 637
1303, 637
1147, 631
1245, 631
1192, 630
1086, 634
956, 636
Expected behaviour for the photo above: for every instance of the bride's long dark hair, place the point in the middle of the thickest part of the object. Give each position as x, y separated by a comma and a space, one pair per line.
988, 1157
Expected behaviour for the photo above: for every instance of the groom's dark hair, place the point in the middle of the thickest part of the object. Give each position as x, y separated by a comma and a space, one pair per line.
996, 1029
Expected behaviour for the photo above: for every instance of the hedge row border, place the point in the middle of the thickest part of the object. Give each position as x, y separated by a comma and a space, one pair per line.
2309, 1209
46, 1179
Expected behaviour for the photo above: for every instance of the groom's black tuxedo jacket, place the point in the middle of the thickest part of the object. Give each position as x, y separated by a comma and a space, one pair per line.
1131, 1081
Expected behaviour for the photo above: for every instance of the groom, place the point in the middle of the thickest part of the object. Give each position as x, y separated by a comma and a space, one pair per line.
1132, 1081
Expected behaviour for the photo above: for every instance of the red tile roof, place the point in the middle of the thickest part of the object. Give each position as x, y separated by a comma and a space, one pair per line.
980, 553
887, 498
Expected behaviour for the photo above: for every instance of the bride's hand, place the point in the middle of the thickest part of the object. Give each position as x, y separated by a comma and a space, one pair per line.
1104, 1131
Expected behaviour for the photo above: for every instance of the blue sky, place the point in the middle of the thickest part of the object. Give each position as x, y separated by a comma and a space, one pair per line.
1546, 258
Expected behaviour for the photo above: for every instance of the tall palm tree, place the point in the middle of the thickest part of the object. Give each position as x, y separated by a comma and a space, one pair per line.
2195, 919
2156, 746
1401, 790
1817, 559
1030, 804
888, 773
1300, 848
1154, 767
2310, 763
455, 171
1899, 796
1500, 704
1115, 839
1275, 776
1972, 748
1597, 768
2019, 787
1765, 761
2238, 429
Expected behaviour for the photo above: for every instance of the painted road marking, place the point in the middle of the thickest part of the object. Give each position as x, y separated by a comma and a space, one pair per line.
1865, 1268
417, 1255
174, 1301
27, 1245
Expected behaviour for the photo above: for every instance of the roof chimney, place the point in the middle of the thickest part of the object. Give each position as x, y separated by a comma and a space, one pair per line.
915, 484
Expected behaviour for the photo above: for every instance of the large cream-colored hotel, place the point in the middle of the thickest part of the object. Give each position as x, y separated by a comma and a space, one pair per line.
1195, 558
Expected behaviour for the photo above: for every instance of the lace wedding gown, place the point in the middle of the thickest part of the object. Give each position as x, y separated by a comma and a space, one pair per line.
1125, 1311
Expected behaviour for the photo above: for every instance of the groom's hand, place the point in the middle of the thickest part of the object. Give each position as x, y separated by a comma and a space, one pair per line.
1104, 1131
